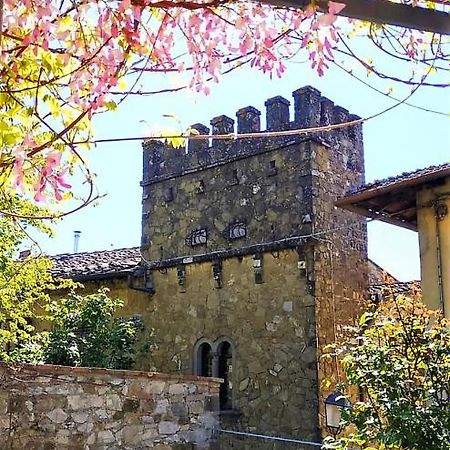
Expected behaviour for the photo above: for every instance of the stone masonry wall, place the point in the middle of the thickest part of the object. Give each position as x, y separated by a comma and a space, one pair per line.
312, 256
271, 326
54, 407
265, 183
268, 192
340, 259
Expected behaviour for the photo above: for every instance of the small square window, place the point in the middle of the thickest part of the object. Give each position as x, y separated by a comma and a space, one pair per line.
198, 237
237, 230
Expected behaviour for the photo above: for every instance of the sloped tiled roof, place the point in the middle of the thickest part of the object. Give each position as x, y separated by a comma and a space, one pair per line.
397, 288
393, 200
415, 175
96, 265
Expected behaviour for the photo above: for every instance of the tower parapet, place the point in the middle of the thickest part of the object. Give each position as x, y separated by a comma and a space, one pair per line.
311, 109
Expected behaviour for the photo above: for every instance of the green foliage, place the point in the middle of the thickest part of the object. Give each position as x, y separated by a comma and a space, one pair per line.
399, 358
32, 350
87, 333
25, 285
85, 329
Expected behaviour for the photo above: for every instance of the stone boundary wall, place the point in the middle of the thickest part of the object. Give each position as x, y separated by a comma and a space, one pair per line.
54, 407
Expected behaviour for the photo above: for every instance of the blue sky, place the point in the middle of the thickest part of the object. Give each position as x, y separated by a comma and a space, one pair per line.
401, 140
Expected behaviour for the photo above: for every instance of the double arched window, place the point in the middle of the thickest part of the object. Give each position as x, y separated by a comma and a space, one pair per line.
216, 359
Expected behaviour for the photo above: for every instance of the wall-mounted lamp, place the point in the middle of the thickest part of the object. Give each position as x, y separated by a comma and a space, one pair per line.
333, 407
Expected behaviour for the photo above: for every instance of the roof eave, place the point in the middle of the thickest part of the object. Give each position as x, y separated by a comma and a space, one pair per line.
350, 202
387, 219
377, 191
96, 276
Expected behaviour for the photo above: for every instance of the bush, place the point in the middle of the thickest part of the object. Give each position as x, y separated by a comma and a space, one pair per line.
86, 333
399, 358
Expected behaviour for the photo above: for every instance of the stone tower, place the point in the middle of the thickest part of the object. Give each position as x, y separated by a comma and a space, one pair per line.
253, 270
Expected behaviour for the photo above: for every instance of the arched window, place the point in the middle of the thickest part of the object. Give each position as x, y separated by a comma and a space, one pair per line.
225, 371
215, 359
203, 359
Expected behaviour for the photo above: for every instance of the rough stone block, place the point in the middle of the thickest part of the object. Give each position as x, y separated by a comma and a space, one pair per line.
114, 402
105, 437
166, 427
57, 416
178, 389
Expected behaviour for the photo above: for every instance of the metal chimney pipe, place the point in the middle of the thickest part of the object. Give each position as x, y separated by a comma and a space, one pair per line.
76, 240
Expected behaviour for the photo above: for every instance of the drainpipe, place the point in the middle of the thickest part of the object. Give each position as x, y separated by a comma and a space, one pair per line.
440, 212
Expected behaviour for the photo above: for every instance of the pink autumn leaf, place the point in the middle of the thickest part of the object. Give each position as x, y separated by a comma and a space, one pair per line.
39, 197
124, 4
268, 42
18, 170
335, 8
60, 180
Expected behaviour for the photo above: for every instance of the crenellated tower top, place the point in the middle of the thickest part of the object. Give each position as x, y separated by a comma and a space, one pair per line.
311, 109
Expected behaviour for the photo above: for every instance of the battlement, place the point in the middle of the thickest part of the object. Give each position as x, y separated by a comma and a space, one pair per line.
311, 109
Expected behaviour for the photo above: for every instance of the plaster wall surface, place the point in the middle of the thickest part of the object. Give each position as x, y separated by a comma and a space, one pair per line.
433, 223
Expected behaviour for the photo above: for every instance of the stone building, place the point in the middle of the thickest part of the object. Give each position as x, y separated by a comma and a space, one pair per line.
249, 270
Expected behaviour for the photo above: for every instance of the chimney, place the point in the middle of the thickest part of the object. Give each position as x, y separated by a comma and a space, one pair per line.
76, 240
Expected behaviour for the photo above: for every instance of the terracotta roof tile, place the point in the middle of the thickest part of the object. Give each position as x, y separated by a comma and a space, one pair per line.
398, 288
98, 264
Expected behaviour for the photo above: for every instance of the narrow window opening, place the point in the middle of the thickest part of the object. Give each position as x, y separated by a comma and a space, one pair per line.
198, 237
205, 360
234, 177
201, 187
169, 195
226, 372
272, 169
237, 230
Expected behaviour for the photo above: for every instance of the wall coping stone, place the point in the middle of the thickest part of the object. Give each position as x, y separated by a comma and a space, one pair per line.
55, 370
